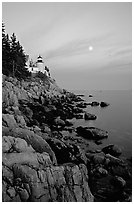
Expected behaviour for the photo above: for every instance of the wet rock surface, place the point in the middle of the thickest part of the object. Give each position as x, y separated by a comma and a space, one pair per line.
95, 103
104, 104
46, 158
92, 133
112, 149
89, 116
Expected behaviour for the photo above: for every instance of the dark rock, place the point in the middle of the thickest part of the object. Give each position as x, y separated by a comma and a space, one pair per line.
119, 181
114, 150
89, 155
99, 172
103, 190
79, 116
79, 154
70, 152
57, 134
104, 104
77, 110
52, 108
59, 121
89, 116
114, 160
45, 128
68, 123
81, 105
87, 103
92, 151
81, 95
102, 171
98, 142
121, 171
90, 95
92, 133
59, 149
99, 158
78, 99
95, 103
70, 129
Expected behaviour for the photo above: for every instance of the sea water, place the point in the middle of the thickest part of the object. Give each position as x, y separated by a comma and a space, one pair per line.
115, 118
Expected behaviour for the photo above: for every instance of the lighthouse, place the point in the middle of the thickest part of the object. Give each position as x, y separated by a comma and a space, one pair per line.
40, 64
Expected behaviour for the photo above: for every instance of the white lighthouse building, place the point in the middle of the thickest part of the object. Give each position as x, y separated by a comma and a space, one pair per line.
40, 64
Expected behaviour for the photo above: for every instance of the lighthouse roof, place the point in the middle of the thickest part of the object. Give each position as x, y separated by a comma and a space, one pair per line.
39, 57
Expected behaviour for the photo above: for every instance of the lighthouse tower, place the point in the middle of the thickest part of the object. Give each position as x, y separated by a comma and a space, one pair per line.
40, 64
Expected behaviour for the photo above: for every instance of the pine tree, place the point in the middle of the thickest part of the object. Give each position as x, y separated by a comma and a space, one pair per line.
13, 53
21, 62
3, 30
13, 56
5, 52
18, 59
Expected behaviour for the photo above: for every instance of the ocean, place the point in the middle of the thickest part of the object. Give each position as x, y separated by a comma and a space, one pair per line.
116, 118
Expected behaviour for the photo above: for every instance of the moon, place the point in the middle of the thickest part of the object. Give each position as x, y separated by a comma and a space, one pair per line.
90, 48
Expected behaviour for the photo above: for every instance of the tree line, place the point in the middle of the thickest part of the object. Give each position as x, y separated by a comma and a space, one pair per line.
13, 56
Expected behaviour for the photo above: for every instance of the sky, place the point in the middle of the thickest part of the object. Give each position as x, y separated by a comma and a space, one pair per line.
87, 46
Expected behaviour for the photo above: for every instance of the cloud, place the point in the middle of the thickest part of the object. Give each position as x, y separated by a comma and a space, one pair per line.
123, 51
77, 47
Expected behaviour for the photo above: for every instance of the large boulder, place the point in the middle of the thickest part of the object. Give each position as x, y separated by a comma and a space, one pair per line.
70, 152
37, 142
10, 144
68, 122
30, 158
13, 100
9, 121
119, 181
9, 98
92, 133
114, 160
104, 190
79, 116
95, 103
98, 158
81, 105
59, 122
121, 171
45, 128
104, 104
114, 150
20, 120
89, 116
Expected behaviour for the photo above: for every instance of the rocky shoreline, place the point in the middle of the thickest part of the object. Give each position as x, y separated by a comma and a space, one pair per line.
45, 158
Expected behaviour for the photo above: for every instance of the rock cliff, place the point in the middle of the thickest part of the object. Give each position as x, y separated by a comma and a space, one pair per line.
33, 167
